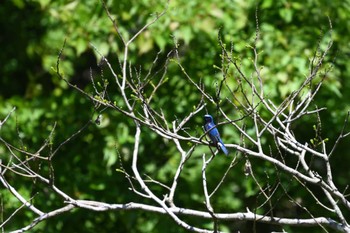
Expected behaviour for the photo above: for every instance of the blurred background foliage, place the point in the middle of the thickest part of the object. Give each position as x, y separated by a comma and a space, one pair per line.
33, 32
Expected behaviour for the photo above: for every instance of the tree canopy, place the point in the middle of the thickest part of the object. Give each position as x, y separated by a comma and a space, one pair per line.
92, 161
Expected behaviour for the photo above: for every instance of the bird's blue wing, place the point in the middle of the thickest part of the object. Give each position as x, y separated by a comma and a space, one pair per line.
215, 137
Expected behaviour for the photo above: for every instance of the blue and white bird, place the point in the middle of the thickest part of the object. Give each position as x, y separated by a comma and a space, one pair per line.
213, 133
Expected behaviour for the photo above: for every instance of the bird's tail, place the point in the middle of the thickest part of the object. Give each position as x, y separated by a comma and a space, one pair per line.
223, 148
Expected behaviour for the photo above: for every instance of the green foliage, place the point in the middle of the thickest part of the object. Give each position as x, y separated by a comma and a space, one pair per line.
34, 32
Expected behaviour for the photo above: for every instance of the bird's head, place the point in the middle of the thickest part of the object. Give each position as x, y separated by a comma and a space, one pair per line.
208, 118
